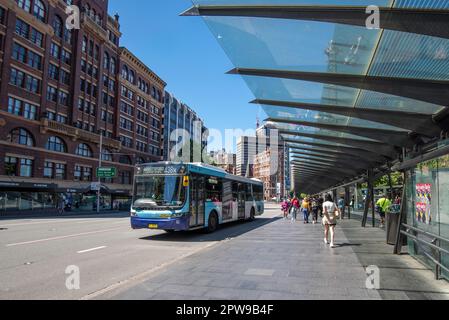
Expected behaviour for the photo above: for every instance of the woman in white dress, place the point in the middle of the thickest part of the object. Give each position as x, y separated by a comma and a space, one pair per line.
331, 213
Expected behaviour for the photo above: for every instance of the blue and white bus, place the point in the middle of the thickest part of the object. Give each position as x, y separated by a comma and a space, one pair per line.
187, 196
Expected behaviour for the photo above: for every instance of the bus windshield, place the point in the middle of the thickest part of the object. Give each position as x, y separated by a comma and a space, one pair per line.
158, 191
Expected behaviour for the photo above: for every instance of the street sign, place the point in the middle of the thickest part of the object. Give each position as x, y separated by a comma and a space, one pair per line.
106, 173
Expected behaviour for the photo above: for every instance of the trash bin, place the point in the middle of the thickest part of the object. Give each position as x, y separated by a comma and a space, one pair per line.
392, 221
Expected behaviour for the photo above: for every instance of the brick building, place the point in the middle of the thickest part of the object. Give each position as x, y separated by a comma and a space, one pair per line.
60, 89
271, 172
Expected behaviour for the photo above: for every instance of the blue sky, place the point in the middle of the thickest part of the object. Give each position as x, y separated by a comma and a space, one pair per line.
186, 55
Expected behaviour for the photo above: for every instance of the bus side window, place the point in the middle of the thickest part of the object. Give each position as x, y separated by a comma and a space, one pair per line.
214, 189
258, 193
249, 193
235, 191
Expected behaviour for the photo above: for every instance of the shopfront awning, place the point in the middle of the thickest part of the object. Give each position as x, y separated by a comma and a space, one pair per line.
346, 98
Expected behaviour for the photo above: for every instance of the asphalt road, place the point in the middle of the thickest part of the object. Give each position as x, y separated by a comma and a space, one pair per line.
35, 253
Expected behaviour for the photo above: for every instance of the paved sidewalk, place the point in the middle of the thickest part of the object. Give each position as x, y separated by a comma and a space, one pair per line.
285, 261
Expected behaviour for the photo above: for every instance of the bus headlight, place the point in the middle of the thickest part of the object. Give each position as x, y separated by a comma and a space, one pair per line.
178, 215
133, 213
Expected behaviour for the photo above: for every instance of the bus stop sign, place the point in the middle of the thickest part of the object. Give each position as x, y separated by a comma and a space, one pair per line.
106, 172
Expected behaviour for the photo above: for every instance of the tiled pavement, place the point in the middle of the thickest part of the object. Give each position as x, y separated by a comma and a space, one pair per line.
284, 261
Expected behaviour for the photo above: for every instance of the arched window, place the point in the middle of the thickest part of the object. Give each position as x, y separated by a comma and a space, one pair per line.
106, 155
106, 61
131, 76
125, 160
84, 150
39, 10
57, 26
21, 136
125, 72
113, 65
56, 144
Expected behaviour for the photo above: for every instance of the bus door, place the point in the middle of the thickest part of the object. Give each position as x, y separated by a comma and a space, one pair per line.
241, 201
197, 198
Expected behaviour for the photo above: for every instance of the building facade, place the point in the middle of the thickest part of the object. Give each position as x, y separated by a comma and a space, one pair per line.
269, 168
182, 125
224, 160
246, 152
60, 91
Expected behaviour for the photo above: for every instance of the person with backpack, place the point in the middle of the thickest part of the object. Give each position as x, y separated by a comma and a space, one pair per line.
382, 207
330, 215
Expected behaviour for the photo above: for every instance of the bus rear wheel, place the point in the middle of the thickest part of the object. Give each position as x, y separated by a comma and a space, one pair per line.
212, 224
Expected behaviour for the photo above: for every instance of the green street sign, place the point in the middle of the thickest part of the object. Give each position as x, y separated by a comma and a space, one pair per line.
106, 172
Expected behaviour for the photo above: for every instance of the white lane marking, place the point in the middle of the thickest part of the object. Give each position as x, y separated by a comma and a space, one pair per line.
61, 237
93, 249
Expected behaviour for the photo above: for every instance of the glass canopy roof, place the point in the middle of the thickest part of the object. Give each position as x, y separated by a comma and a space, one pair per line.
316, 51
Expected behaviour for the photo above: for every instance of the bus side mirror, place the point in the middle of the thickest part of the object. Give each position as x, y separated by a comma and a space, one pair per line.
186, 181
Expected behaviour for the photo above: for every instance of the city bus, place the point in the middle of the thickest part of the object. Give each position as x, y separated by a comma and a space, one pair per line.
188, 196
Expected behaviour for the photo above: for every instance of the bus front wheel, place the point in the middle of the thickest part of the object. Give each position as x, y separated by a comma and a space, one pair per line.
212, 224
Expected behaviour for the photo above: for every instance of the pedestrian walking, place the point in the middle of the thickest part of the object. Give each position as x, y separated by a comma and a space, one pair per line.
306, 209
341, 206
315, 209
331, 213
61, 206
382, 207
295, 208
285, 206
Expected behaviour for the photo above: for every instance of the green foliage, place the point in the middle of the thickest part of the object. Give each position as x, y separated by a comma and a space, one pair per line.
396, 180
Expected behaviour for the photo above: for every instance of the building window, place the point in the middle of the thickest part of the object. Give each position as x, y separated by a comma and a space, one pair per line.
11, 166
34, 60
18, 167
19, 53
39, 10
125, 160
52, 94
21, 136
56, 144
54, 50
84, 150
55, 171
125, 177
82, 173
23, 109
106, 155
22, 28
24, 4
37, 37
57, 26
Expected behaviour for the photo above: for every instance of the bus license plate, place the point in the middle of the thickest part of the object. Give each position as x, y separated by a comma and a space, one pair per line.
153, 226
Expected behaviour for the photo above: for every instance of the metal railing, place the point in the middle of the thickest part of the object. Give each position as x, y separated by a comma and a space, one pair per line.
434, 244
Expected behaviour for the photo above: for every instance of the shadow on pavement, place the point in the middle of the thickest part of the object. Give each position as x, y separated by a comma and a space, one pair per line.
341, 245
225, 231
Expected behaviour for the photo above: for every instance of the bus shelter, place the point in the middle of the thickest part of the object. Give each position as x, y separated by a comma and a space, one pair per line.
357, 89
